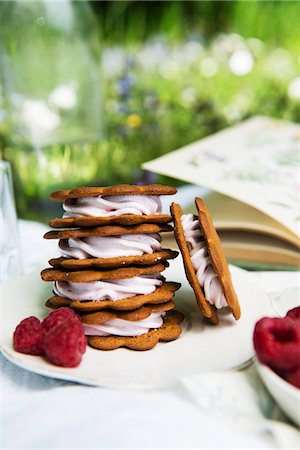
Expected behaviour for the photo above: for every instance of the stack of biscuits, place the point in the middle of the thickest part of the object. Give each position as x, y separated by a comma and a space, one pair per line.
110, 266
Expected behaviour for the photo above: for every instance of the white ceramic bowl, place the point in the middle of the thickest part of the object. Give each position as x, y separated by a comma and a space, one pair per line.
286, 395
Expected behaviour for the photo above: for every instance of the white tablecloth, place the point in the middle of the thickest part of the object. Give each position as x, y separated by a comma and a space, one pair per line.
222, 410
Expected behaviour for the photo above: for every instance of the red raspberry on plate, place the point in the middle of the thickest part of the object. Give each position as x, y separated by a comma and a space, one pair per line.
293, 378
28, 336
57, 316
65, 344
294, 313
277, 342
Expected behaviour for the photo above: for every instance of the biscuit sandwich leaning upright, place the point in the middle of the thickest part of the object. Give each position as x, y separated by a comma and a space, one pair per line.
205, 265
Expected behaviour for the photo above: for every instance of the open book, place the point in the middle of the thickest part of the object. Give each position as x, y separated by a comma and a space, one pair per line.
253, 172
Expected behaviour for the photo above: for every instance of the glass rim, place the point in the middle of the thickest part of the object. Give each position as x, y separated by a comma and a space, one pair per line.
4, 164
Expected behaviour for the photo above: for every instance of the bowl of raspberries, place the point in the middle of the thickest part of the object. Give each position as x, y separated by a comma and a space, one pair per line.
277, 345
59, 337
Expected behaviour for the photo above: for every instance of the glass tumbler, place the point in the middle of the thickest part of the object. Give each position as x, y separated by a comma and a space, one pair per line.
50, 100
10, 255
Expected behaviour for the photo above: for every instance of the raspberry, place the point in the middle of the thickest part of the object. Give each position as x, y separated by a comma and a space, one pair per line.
294, 313
294, 378
277, 343
57, 316
28, 336
65, 344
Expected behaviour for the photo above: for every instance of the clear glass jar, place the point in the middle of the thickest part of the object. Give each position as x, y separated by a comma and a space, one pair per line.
51, 107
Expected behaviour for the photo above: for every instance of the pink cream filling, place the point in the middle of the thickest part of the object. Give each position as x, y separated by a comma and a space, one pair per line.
206, 275
110, 246
108, 289
112, 205
120, 327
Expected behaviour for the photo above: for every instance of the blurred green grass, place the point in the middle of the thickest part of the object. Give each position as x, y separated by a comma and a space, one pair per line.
169, 79
274, 22
175, 101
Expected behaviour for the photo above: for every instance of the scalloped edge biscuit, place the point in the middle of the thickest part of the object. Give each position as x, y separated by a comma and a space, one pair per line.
125, 219
135, 315
117, 262
162, 294
146, 228
169, 331
206, 308
83, 276
121, 189
217, 257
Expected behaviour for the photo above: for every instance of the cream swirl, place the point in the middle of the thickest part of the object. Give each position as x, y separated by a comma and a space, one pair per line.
120, 327
110, 246
112, 205
108, 289
202, 264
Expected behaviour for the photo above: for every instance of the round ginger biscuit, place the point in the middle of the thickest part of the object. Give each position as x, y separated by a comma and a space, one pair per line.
123, 220
121, 189
83, 276
217, 257
135, 315
111, 263
146, 228
206, 308
162, 294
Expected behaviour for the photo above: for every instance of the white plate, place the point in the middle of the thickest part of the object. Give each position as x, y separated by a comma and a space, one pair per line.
200, 348
285, 300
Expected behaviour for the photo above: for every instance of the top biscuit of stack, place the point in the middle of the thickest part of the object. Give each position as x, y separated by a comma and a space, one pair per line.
88, 216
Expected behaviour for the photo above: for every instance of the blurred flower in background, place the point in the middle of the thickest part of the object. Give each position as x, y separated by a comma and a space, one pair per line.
294, 89
64, 96
172, 72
